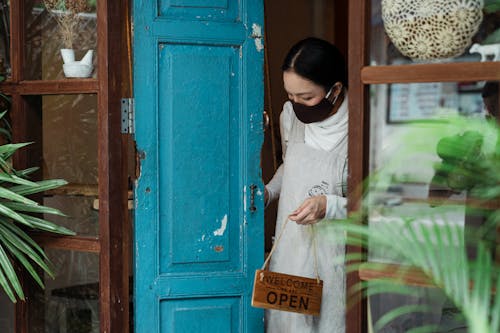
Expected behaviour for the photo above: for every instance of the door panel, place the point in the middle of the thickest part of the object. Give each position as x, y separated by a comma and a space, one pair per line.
198, 82
199, 151
201, 315
220, 10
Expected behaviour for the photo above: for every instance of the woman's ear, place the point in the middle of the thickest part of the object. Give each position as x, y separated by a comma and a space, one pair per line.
336, 91
337, 88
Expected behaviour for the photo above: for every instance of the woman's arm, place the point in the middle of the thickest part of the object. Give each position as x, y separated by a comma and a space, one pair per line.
273, 188
336, 207
315, 209
320, 207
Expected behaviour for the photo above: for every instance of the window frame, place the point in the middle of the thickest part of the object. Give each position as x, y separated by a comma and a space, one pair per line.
113, 242
361, 76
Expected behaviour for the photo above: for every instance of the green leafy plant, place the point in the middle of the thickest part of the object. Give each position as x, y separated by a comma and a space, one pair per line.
18, 216
426, 238
491, 7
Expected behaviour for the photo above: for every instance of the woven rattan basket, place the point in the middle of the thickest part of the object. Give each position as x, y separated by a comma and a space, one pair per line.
431, 29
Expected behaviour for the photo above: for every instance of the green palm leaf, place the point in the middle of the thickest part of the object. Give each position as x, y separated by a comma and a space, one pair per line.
401, 311
6, 284
26, 172
13, 196
45, 225
9, 178
8, 149
15, 209
22, 259
24, 246
10, 274
16, 230
495, 309
38, 209
427, 239
7, 212
43, 185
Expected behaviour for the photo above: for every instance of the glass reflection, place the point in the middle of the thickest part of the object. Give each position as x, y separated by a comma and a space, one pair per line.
70, 153
82, 215
70, 137
70, 302
408, 125
395, 42
47, 32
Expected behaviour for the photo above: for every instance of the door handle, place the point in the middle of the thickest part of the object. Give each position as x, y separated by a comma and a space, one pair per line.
266, 119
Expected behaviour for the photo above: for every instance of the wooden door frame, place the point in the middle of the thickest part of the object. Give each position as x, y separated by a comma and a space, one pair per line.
114, 231
359, 14
112, 84
361, 75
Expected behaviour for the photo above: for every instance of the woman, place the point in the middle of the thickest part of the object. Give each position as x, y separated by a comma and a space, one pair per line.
311, 182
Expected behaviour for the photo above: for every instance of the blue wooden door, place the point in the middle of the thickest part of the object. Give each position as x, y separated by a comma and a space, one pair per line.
198, 86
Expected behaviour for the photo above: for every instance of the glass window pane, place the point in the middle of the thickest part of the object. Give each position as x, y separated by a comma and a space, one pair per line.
414, 179
420, 31
70, 302
64, 25
70, 153
5, 70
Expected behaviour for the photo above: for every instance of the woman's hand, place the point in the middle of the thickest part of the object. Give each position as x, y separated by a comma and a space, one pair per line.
311, 211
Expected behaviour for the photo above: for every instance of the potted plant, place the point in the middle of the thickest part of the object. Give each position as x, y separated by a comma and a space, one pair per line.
19, 214
426, 241
67, 14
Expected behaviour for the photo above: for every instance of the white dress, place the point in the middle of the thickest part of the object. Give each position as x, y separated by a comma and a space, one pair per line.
309, 170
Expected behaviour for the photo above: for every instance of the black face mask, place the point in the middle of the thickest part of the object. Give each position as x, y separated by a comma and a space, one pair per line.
312, 114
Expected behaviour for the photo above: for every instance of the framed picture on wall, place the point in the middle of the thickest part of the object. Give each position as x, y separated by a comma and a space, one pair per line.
422, 101
470, 99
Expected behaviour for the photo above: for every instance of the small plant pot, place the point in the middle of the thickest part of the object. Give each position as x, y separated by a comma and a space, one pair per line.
68, 55
77, 70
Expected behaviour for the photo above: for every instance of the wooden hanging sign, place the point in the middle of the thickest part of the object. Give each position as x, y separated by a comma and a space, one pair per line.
287, 292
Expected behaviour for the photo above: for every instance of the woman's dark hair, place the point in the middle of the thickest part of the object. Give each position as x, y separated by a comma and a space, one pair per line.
490, 97
318, 61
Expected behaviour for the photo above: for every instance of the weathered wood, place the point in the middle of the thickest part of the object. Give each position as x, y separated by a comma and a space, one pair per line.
358, 151
95, 204
113, 184
287, 292
50, 87
113, 243
74, 243
406, 274
449, 72
86, 190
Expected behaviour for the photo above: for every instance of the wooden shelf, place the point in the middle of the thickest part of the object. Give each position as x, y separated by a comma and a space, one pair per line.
50, 87
449, 72
406, 274
86, 190
75, 243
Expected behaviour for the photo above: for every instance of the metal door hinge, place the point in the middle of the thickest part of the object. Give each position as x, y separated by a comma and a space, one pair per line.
128, 116
253, 189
